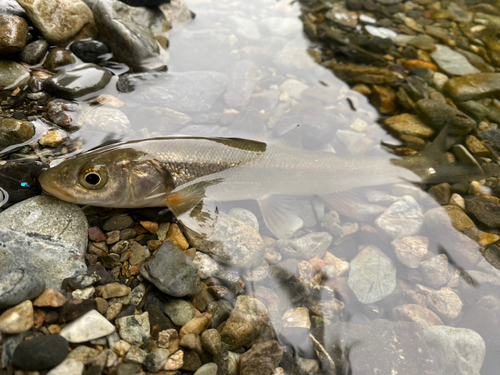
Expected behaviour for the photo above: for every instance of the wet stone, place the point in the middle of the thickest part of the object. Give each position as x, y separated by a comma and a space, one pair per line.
459, 350
90, 78
403, 218
193, 91
445, 302
372, 276
410, 250
473, 86
306, 247
32, 355
20, 284
245, 216
13, 33
14, 132
417, 314
91, 51
52, 138
89, 326
58, 57
135, 329
439, 114
435, 271
262, 358
12, 75
484, 210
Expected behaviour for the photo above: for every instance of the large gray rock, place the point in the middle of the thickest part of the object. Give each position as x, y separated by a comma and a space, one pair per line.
193, 91
60, 21
232, 242
131, 42
20, 284
172, 271
44, 233
459, 350
372, 276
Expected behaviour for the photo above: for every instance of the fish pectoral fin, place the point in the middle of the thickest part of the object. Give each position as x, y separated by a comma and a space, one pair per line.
292, 139
351, 203
200, 219
279, 213
186, 198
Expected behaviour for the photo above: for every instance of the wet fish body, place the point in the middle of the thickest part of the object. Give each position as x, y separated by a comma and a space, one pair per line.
181, 172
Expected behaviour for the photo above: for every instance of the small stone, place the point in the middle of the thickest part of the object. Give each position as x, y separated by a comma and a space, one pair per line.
175, 361
179, 311
484, 210
438, 115
156, 360
34, 52
32, 355
476, 147
86, 293
102, 305
95, 234
135, 355
58, 57
172, 272
17, 319
175, 236
207, 369
73, 309
262, 358
13, 75
441, 193
245, 216
372, 276
192, 361
410, 250
297, 318
89, 326
341, 266
135, 329
162, 231
121, 348
445, 302
50, 298
457, 200
435, 271
83, 354
169, 339
211, 341
91, 51
306, 247
150, 226
14, 131
418, 314
196, 325
113, 290
14, 33
52, 138
68, 366
113, 310
472, 86
403, 218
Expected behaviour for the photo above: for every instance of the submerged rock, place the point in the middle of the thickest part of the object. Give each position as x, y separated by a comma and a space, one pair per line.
306, 247
14, 131
473, 86
403, 218
12, 75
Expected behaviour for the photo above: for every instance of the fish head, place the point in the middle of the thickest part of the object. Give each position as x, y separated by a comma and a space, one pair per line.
117, 177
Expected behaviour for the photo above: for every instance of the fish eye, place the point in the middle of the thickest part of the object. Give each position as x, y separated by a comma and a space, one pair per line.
93, 176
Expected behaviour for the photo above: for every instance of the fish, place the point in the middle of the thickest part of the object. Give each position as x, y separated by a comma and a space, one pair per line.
189, 175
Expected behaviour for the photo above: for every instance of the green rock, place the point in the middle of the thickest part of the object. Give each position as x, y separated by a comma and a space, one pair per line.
12, 75
14, 131
472, 86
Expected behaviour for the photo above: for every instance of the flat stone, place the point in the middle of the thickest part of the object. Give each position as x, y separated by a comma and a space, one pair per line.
372, 276
130, 41
473, 86
20, 284
17, 319
439, 114
68, 366
352, 73
408, 124
135, 328
417, 314
459, 350
193, 91
12, 75
83, 354
207, 369
50, 298
32, 355
60, 21
306, 247
14, 132
85, 79
91, 51
262, 358
452, 62
410, 250
484, 210
13, 33
403, 218
89, 326
445, 302
248, 318
232, 242
172, 271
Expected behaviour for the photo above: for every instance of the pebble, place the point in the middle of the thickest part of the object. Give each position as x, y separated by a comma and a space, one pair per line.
72, 22
417, 314
83, 354
34, 52
179, 311
445, 302
410, 250
244, 216
135, 329
68, 366
175, 361
50, 298
32, 355
408, 124
156, 360
58, 57
262, 358
52, 138
172, 272
174, 90
207, 369
135, 355
119, 222
89, 326
435, 271
306, 247
12, 75
20, 284
472, 86
248, 318
211, 341
91, 78
484, 210
74, 308
175, 236
451, 62
130, 42
372, 276
403, 218
460, 350
113, 290
14, 131
91, 51
17, 319
14, 33
439, 114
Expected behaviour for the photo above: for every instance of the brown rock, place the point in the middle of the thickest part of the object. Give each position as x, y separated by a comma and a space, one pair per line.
96, 234
13, 33
58, 57
17, 319
261, 359
175, 361
417, 314
112, 290
409, 124
410, 64
175, 236
384, 98
50, 298
150, 226
196, 325
211, 341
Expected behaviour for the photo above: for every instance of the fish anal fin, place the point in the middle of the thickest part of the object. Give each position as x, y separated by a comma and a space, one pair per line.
279, 213
291, 139
351, 203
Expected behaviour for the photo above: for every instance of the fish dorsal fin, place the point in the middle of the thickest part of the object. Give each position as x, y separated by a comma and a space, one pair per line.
291, 139
279, 213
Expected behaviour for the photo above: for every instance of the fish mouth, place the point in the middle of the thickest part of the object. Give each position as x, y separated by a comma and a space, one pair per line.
47, 184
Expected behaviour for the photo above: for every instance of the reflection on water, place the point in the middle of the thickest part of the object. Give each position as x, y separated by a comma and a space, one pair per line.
377, 280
